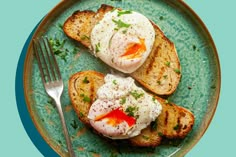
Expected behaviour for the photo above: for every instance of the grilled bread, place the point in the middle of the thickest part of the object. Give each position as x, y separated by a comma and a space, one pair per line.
160, 73
173, 122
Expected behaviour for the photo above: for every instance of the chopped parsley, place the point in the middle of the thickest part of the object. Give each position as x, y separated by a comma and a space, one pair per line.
130, 110
74, 124
97, 49
85, 98
86, 80
114, 82
165, 76
120, 24
145, 137
167, 101
177, 127
161, 18
58, 47
123, 100
177, 71
124, 31
154, 99
81, 114
160, 134
136, 95
167, 64
158, 82
84, 37
122, 12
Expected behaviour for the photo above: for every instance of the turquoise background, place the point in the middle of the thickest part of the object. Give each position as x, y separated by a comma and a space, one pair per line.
17, 22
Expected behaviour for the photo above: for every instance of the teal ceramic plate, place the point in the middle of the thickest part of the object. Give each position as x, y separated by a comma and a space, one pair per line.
198, 90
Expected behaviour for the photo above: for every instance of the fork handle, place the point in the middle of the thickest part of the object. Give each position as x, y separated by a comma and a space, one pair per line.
65, 130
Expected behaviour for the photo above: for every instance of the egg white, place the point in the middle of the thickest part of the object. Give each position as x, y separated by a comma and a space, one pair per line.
111, 37
109, 98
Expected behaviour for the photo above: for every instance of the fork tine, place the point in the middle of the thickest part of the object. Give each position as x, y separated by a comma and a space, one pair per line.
53, 59
49, 55
38, 51
47, 62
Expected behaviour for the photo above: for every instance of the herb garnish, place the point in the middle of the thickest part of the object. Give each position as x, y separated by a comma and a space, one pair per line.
122, 12
74, 124
177, 127
120, 24
114, 82
136, 95
154, 99
167, 64
58, 47
85, 98
85, 37
123, 100
145, 137
130, 110
97, 49
86, 80
177, 71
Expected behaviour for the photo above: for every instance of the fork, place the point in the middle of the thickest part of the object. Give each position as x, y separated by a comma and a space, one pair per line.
52, 80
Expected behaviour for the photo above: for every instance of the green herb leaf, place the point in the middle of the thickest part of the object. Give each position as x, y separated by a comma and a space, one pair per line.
114, 82
85, 98
130, 110
123, 100
167, 64
97, 49
177, 127
136, 95
145, 137
120, 24
160, 134
177, 71
86, 80
81, 114
58, 48
84, 37
74, 124
122, 12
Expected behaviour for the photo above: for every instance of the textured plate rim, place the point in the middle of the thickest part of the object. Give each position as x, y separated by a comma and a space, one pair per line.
179, 152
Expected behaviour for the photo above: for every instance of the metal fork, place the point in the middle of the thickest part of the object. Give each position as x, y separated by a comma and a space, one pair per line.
52, 80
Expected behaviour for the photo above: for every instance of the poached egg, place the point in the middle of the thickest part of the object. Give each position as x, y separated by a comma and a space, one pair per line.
123, 39
122, 109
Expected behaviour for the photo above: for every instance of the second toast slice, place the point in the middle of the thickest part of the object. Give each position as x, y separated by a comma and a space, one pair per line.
173, 122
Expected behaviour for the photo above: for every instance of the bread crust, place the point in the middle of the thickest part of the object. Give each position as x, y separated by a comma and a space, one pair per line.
173, 122
160, 73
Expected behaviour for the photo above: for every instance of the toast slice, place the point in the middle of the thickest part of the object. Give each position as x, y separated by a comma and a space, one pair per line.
160, 73
173, 122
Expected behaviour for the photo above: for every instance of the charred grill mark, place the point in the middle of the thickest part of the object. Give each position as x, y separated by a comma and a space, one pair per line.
161, 73
92, 96
179, 124
150, 66
166, 117
75, 81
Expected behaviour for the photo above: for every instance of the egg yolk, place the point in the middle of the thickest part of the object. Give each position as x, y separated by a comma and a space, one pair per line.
116, 117
135, 50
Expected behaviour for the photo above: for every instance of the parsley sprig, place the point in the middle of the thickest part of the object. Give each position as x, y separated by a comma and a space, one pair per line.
122, 12
136, 95
120, 24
